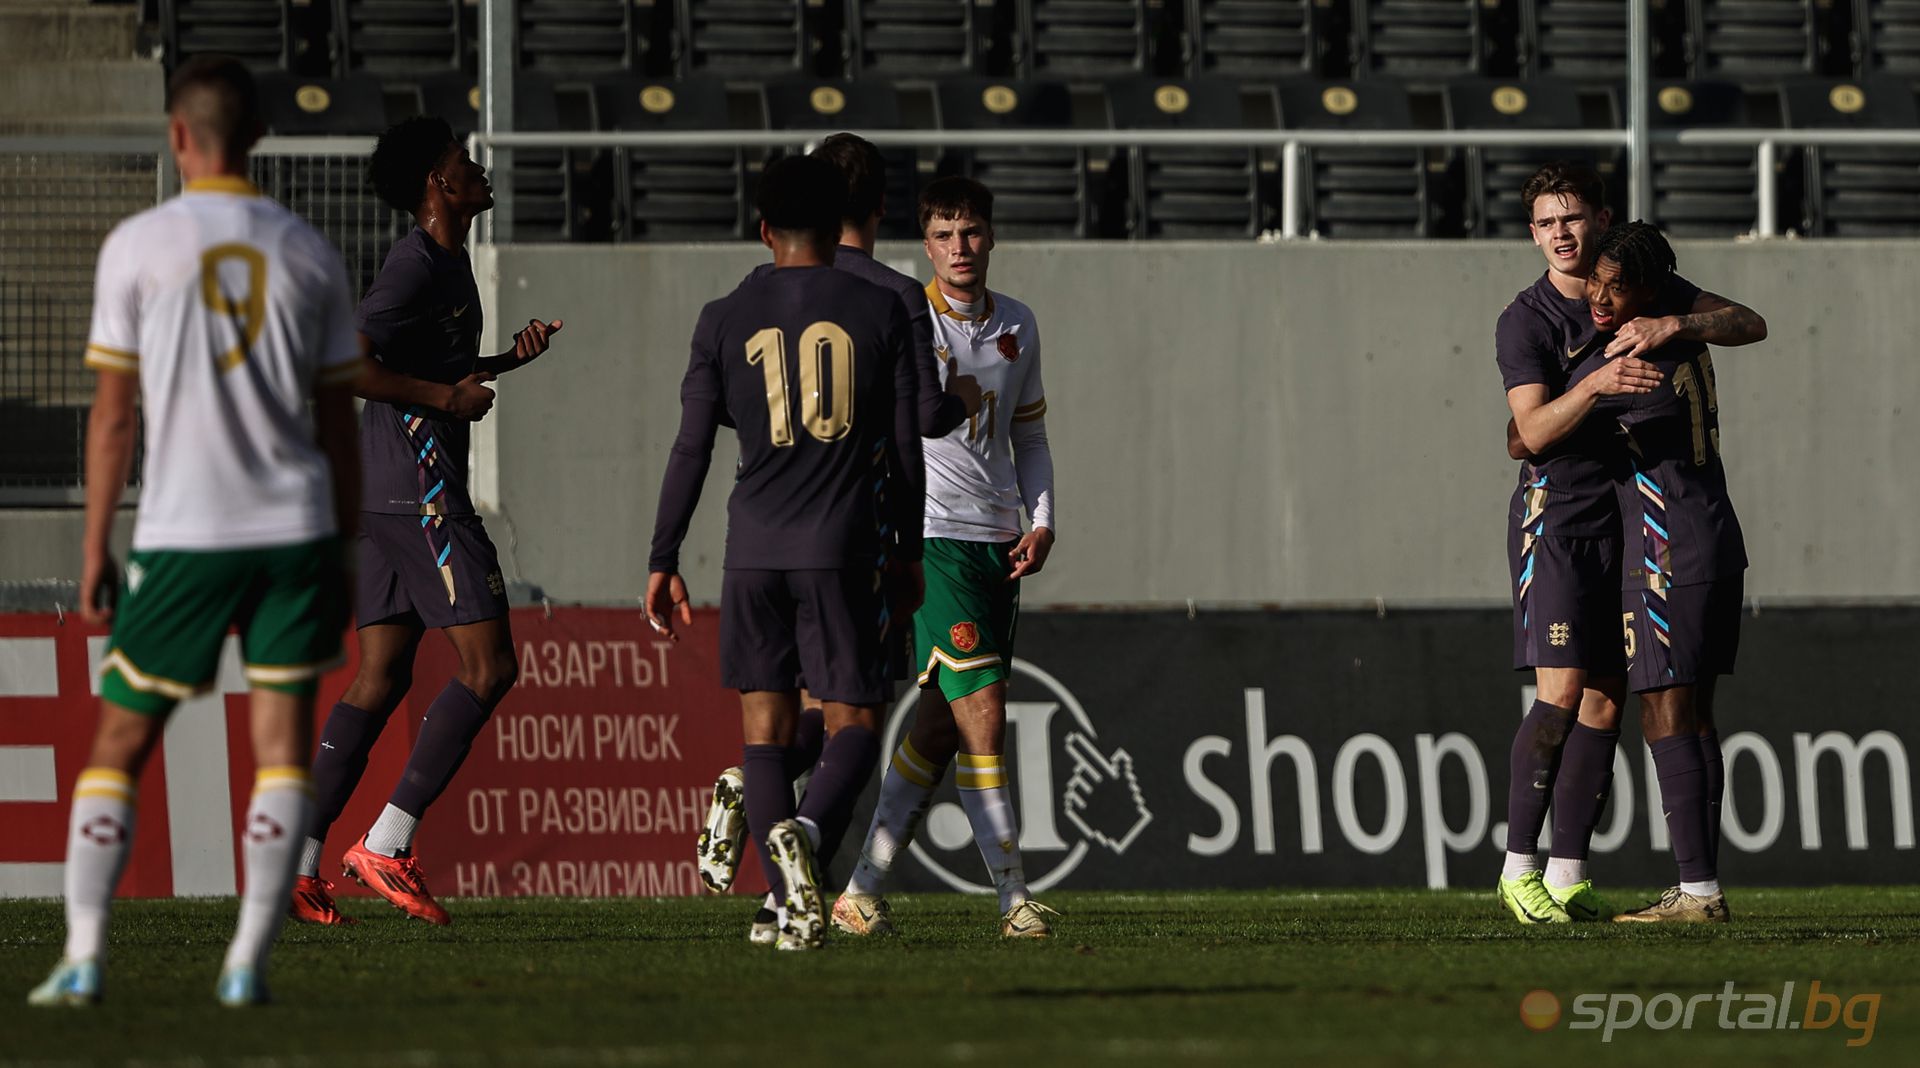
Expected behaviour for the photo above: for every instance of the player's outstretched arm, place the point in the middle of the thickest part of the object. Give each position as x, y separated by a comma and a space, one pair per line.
528, 344
113, 429
1714, 320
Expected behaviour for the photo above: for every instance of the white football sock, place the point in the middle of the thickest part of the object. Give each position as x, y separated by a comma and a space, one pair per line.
905, 792
282, 805
1519, 864
983, 793
1563, 872
1703, 889
310, 858
392, 833
99, 838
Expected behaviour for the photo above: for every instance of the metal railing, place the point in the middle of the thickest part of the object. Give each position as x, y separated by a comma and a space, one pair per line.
59, 198
1292, 146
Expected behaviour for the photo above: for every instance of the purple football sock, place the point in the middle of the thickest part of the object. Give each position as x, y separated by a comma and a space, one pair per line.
1580, 791
769, 800
846, 765
338, 763
809, 736
1683, 796
446, 736
1716, 790
1533, 763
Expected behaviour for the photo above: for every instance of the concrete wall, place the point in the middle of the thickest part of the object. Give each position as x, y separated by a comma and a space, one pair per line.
1250, 424
1242, 423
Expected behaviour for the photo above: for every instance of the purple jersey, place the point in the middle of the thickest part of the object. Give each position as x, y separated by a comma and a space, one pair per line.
815, 370
422, 314
1680, 525
1568, 491
940, 412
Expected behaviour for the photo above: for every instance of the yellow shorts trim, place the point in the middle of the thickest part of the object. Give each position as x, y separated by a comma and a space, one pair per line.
145, 683
272, 673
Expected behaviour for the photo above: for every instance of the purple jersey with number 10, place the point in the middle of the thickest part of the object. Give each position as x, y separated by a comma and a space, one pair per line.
815, 370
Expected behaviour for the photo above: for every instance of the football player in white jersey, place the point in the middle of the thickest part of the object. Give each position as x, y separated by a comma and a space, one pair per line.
223, 315
978, 479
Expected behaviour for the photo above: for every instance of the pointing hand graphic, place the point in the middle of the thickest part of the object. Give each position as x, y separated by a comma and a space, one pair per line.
1103, 796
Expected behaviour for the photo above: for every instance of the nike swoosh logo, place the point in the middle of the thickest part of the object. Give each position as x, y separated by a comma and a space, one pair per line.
461, 310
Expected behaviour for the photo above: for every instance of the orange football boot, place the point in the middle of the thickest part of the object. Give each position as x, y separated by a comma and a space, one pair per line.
398, 879
313, 903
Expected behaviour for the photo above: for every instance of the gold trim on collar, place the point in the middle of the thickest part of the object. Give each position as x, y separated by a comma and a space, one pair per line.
941, 307
224, 183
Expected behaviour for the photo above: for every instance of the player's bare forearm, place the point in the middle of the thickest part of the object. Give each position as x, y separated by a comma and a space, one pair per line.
113, 428
1716, 320
380, 383
1540, 422
338, 436
528, 344
1516, 448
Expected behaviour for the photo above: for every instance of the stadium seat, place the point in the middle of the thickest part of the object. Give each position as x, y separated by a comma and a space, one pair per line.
1077, 37
298, 106
1494, 175
563, 36
674, 194
1886, 36
1254, 38
558, 194
398, 36
258, 32
1038, 191
1859, 191
1703, 190
868, 105
1210, 192
915, 37
1417, 38
1574, 38
1359, 192
758, 37
1737, 39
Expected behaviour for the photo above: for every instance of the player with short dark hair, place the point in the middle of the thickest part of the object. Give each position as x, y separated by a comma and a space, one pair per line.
976, 556
815, 370
425, 558
1564, 533
1685, 560
719, 847
220, 316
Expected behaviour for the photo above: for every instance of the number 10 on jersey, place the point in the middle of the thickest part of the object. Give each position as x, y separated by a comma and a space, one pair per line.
826, 361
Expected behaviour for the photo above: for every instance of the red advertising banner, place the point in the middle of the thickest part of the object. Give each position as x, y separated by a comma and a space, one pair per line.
590, 780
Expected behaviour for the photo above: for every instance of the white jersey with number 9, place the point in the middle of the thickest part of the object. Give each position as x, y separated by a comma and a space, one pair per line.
231, 310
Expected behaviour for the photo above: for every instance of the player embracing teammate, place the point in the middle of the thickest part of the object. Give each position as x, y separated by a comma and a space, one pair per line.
1601, 358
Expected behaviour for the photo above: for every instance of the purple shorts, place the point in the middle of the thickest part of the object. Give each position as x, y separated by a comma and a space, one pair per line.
1566, 603
1685, 637
444, 574
780, 630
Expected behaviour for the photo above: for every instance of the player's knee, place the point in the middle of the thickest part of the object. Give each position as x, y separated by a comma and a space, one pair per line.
491, 678
380, 691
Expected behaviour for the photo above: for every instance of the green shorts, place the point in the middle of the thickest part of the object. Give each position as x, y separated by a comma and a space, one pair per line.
963, 633
289, 603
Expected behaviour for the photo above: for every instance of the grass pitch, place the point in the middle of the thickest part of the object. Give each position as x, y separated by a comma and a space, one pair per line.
1356, 977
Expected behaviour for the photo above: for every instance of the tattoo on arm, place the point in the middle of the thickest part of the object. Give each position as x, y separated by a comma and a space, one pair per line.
1733, 324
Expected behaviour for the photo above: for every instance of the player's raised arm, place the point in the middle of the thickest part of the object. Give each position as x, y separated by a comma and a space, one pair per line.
940, 410
1713, 320
701, 404
528, 344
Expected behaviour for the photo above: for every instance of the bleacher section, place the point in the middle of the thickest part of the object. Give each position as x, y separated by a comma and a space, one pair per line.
1045, 65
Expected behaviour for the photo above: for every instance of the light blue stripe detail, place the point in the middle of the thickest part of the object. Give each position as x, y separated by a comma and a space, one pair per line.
1651, 566
1649, 483
1657, 528
1657, 621
445, 552
424, 450
1526, 572
435, 491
